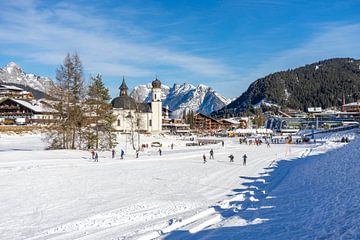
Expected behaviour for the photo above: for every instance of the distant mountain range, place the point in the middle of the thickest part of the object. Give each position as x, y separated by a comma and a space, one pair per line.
178, 98
13, 74
320, 84
182, 97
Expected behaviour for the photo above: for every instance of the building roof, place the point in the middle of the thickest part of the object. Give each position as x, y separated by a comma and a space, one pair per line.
206, 116
353, 104
37, 108
126, 102
231, 121
11, 87
123, 85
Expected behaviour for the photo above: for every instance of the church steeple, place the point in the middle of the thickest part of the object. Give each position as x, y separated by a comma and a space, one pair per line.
123, 88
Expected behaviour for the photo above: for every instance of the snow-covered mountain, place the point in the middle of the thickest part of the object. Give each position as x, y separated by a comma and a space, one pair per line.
185, 96
12, 73
142, 93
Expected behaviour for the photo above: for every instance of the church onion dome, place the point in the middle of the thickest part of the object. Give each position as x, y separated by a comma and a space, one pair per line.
156, 83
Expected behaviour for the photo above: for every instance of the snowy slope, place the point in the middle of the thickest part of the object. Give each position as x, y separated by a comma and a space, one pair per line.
12, 73
304, 191
185, 96
314, 197
62, 194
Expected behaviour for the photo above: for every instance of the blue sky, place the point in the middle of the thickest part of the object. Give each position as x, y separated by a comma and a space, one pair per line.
224, 44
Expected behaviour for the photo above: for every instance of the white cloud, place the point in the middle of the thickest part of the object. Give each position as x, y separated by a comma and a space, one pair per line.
332, 40
45, 35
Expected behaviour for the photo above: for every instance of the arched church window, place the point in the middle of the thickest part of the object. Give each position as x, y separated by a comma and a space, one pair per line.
118, 122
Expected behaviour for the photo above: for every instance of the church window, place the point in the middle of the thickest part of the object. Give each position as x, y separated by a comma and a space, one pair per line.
155, 98
118, 122
150, 122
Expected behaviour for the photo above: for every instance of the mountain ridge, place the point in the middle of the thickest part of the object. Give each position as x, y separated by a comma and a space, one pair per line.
319, 84
12, 73
184, 97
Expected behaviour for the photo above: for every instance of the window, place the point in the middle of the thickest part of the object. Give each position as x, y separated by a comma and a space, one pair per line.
155, 98
150, 122
118, 122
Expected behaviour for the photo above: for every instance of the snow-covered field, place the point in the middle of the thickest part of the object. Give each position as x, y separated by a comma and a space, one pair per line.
285, 191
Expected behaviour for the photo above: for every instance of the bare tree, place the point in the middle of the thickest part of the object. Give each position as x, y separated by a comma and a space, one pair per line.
69, 95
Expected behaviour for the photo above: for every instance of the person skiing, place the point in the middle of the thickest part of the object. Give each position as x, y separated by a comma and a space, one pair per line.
222, 143
172, 146
96, 157
231, 158
112, 153
92, 153
211, 154
160, 152
137, 153
244, 160
204, 158
122, 154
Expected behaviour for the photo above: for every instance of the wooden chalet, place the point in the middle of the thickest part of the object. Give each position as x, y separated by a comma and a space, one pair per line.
351, 107
9, 91
206, 123
25, 112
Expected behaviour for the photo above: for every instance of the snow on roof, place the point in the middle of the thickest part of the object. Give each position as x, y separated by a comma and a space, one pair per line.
11, 87
232, 121
36, 108
353, 104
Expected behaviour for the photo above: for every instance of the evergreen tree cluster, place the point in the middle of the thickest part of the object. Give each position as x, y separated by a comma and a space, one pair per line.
322, 84
189, 118
84, 116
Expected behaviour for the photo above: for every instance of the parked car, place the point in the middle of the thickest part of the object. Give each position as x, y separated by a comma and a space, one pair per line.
156, 144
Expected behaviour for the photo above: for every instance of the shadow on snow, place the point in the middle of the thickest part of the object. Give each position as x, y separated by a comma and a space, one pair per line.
273, 207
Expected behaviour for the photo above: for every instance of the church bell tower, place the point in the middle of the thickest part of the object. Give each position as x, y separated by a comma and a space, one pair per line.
156, 106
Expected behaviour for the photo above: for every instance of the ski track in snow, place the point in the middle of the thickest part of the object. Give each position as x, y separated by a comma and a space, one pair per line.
69, 197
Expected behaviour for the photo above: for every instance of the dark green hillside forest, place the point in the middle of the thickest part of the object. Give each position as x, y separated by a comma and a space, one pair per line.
320, 84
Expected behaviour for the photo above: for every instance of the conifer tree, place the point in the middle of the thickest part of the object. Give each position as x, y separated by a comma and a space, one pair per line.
100, 117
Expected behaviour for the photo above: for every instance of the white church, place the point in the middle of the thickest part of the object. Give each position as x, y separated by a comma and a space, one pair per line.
134, 116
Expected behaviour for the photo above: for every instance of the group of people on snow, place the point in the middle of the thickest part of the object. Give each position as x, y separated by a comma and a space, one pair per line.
95, 155
231, 157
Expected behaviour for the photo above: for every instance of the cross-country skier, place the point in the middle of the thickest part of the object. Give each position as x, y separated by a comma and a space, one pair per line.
244, 159
211, 154
122, 154
96, 157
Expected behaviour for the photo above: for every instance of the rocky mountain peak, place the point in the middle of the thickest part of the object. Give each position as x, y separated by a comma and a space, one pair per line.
12, 73
184, 96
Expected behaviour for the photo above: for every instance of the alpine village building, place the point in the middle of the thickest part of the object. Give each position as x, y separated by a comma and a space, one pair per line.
19, 107
133, 116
